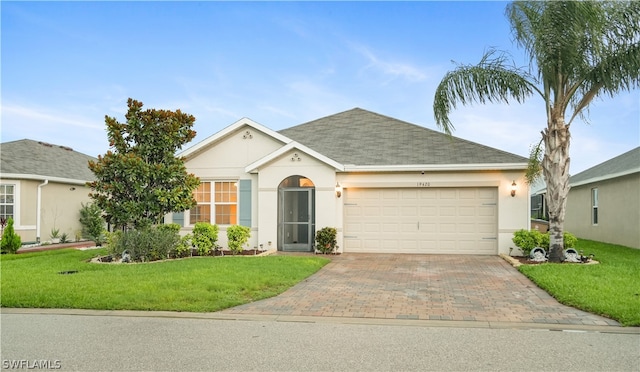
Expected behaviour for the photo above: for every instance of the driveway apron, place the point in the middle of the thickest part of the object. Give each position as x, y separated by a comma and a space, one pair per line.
426, 287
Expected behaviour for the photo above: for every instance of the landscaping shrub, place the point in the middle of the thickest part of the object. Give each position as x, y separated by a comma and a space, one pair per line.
169, 226
326, 240
183, 249
237, 236
205, 236
526, 240
11, 241
92, 223
149, 244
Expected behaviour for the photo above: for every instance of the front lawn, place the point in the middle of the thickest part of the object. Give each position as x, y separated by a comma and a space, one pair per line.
201, 284
611, 288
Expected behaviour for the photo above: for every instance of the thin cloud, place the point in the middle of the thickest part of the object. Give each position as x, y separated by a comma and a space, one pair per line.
21, 114
393, 69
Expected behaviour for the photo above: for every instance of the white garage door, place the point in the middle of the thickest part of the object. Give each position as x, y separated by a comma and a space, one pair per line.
421, 220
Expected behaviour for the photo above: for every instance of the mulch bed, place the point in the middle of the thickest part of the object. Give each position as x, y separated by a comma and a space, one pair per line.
528, 261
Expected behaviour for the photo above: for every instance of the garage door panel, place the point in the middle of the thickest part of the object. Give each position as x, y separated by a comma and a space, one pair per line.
411, 194
390, 228
408, 227
447, 228
486, 228
447, 211
466, 228
485, 211
409, 211
428, 194
428, 220
448, 194
428, 211
372, 227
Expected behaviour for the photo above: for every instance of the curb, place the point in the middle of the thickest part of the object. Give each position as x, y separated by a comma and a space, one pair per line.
319, 319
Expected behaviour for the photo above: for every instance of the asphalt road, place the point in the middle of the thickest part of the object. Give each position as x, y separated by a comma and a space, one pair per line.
150, 343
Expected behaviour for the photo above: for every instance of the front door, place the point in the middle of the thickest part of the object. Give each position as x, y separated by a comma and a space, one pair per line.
296, 219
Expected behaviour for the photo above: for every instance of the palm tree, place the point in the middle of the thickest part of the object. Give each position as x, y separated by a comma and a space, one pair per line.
577, 51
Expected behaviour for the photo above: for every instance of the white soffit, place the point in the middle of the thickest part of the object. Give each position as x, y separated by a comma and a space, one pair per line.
434, 167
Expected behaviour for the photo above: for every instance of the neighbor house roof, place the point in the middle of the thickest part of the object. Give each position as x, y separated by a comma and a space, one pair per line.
621, 165
361, 139
40, 160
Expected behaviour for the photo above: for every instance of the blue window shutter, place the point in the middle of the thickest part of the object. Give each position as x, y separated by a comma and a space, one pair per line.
245, 203
178, 217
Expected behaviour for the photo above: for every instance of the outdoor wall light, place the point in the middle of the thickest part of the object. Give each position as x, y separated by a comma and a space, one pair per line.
513, 189
72, 188
338, 190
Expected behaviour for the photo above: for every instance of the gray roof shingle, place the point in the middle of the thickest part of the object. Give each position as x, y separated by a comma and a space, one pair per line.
627, 163
360, 137
30, 157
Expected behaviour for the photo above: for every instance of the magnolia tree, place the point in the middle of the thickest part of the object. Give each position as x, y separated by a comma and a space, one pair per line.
141, 179
577, 51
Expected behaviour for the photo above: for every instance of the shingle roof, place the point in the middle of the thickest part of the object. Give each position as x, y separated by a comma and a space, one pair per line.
362, 137
30, 157
627, 163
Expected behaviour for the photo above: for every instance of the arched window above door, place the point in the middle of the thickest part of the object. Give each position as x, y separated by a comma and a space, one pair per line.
296, 181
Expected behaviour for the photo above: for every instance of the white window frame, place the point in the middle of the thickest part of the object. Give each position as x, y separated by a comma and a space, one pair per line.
594, 206
212, 203
16, 202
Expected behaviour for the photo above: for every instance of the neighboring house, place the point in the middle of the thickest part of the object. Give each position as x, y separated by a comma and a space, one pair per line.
604, 201
42, 187
384, 184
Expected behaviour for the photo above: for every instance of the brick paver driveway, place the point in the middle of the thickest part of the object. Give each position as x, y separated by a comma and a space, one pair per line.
433, 287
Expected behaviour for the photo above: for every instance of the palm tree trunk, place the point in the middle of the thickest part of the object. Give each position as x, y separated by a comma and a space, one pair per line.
555, 166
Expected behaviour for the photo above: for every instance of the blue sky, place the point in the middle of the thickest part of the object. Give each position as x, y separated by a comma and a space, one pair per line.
65, 65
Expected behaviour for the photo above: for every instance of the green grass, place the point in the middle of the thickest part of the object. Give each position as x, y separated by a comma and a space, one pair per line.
611, 288
201, 284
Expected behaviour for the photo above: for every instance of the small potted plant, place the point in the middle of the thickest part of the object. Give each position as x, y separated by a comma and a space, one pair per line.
55, 236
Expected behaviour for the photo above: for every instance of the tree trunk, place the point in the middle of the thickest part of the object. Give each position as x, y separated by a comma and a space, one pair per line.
555, 167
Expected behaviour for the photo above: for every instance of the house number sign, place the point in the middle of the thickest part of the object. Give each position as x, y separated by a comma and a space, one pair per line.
424, 184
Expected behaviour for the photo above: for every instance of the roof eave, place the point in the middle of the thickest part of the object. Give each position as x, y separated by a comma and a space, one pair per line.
605, 177
435, 167
37, 177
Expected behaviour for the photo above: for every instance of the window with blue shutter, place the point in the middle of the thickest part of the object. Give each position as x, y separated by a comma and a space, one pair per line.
245, 203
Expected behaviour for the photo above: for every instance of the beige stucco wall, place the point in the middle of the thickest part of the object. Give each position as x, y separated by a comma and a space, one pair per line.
323, 177
226, 161
618, 211
59, 207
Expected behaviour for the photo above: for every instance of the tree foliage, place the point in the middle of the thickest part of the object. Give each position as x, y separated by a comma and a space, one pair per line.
141, 179
578, 51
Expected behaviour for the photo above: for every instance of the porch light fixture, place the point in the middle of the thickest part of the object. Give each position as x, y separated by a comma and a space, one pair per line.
338, 190
513, 189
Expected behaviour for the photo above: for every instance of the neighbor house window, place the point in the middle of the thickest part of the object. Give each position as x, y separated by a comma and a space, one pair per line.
7, 201
594, 206
217, 203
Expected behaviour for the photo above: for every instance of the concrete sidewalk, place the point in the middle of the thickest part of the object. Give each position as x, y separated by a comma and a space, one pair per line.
421, 287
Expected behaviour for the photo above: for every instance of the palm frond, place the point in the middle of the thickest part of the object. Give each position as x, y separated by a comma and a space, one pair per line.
491, 80
534, 166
